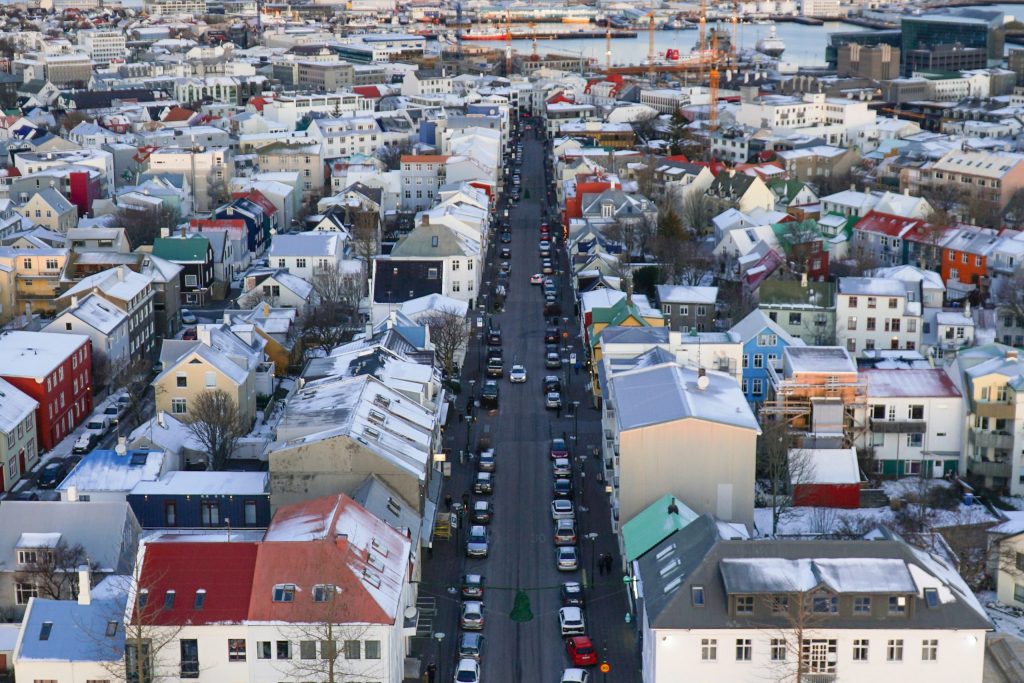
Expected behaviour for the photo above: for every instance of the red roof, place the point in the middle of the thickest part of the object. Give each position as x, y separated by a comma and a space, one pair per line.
560, 97
257, 198
178, 114
761, 271
368, 91
258, 102
235, 226
680, 158
223, 570
886, 224
424, 158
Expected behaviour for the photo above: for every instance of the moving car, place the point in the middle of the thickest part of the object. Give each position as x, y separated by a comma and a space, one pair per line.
536, 279
483, 512
471, 646
552, 360
484, 483
570, 621
562, 509
486, 462
472, 617
581, 651
563, 488
517, 375
506, 267
567, 559
472, 586
51, 474
85, 442
477, 541
565, 532
572, 594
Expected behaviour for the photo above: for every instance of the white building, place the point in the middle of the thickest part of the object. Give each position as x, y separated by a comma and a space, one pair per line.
104, 323
103, 46
832, 119
876, 313
161, 8
307, 254
208, 170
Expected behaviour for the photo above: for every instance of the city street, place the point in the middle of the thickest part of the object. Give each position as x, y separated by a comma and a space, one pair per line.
522, 553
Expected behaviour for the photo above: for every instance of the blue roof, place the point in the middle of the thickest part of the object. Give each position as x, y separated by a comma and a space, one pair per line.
69, 620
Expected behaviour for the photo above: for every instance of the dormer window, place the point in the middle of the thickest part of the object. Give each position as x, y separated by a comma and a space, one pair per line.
323, 592
897, 604
697, 596
825, 604
143, 597
284, 592
111, 628
745, 604
27, 556
931, 597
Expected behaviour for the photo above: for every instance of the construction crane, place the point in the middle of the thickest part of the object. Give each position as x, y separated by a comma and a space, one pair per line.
508, 42
713, 84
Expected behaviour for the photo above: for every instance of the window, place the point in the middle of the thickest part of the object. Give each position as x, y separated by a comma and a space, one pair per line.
702, 311
780, 604
853, 302
915, 440
27, 557
825, 604
181, 380
778, 650
758, 360
897, 604
819, 655
170, 513
263, 649
915, 412
862, 605
250, 512
169, 599
211, 380
307, 649
745, 604
200, 599
371, 649
45, 630
178, 406
871, 325
744, 650
860, 650
929, 650
697, 596
746, 360
894, 651
284, 592
236, 649
284, 649
872, 302
757, 387
708, 649
795, 319
191, 281
210, 513
323, 592
684, 309
24, 591
893, 302
431, 273
353, 649
300, 263
189, 658
329, 649
281, 263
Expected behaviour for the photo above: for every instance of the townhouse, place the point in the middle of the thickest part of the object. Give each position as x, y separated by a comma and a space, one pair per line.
763, 343
18, 438
130, 293
688, 308
307, 255
876, 313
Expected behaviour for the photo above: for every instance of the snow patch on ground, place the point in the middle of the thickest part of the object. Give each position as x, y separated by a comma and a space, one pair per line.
813, 521
1007, 619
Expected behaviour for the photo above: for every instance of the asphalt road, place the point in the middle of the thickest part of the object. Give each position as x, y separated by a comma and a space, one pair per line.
522, 552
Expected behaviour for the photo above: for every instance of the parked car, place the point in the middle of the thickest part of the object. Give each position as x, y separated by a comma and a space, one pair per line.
483, 512
570, 621
495, 368
189, 334
484, 483
552, 360
472, 618
517, 375
572, 594
489, 394
188, 318
506, 237
506, 267
552, 383
565, 532
581, 651
472, 586
553, 400
575, 675
544, 245
546, 267
477, 541
493, 336
566, 558
550, 334
471, 646
486, 462
113, 412
563, 488
51, 475
85, 442
505, 253
559, 449
99, 425
562, 509
562, 467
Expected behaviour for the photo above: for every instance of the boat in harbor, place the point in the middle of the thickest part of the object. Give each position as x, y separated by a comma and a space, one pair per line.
575, 20
771, 44
486, 35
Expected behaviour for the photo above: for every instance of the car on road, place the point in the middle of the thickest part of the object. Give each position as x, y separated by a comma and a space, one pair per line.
552, 360
581, 651
550, 334
477, 541
553, 400
517, 375
51, 475
483, 512
575, 675
547, 267
472, 617
505, 253
467, 671
486, 462
506, 237
559, 449
550, 290
572, 594
570, 621
472, 585
506, 267
495, 368
567, 559
563, 488
552, 307
188, 317
113, 412
489, 394
471, 646
493, 336
536, 279
562, 467
483, 483
565, 532
543, 245
562, 509
85, 442
552, 383
98, 425
189, 334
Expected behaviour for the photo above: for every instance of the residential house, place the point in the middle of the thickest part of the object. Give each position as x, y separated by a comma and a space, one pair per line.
216, 360
107, 328
202, 500
279, 327
130, 293
743, 192
965, 252
688, 308
987, 176
18, 438
885, 239
166, 279
259, 214
422, 177
56, 371
305, 158
195, 256
37, 275
278, 287
108, 475
884, 611
307, 254
51, 209
108, 533
651, 413
460, 256
876, 313
806, 310
209, 169
763, 344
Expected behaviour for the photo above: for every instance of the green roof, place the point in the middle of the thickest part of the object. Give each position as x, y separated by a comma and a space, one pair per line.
613, 316
654, 524
192, 249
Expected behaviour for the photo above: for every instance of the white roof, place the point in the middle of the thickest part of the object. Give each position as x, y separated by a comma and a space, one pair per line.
825, 466
310, 244
36, 354
205, 483
107, 470
119, 283
871, 286
15, 406
96, 312
687, 294
832, 359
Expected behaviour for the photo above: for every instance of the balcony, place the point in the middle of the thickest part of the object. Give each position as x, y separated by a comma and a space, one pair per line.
989, 468
899, 426
985, 438
995, 409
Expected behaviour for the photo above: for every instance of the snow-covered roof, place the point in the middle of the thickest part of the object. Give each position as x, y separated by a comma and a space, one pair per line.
687, 294
824, 466
119, 283
187, 482
96, 312
15, 406
862, 575
910, 383
310, 244
36, 354
108, 470
871, 286
832, 359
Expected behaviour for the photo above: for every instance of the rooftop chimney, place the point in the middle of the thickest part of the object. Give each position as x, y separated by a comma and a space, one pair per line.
673, 509
425, 219
72, 494
120, 273
803, 280
122, 446
266, 310
74, 300
1011, 354
84, 585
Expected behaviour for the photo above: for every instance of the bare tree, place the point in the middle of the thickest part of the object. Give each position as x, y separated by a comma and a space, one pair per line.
682, 261
797, 653
633, 234
1008, 296
132, 380
391, 155
54, 571
780, 467
328, 322
366, 237
216, 423
796, 240
696, 211
143, 226
449, 332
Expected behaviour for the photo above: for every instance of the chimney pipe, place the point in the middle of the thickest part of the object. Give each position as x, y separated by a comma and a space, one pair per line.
122, 446
84, 585
72, 494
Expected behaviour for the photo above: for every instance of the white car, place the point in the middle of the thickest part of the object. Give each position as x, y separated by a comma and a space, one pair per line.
562, 509
567, 559
518, 374
467, 671
575, 676
536, 279
570, 621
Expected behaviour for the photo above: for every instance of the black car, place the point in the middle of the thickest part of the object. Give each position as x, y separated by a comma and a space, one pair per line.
552, 383
51, 475
563, 488
551, 335
486, 461
489, 394
482, 513
493, 336
506, 253
506, 237
572, 594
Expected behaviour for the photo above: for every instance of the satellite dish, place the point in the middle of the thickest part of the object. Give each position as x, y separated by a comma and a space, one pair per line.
410, 612
703, 382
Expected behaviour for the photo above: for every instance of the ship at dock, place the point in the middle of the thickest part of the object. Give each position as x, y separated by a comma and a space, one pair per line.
771, 45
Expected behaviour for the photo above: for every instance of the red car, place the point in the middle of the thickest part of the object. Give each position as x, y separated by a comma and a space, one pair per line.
559, 449
581, 651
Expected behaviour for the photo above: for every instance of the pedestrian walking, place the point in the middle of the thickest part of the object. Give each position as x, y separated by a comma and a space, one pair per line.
431, 672
465, 501
448, 502
600, 564
558, 411
608, 560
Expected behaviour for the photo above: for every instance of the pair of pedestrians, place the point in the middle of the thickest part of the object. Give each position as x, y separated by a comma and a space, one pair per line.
604, 563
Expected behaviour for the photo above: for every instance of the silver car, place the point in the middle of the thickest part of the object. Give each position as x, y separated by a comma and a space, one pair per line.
477, 541
472, 618
567, 559
562, 509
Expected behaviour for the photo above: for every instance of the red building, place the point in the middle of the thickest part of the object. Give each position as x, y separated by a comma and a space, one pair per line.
828, 477
965, 251
54, 369
585, 184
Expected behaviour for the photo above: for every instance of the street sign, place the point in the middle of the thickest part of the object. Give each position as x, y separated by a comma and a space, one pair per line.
605, 667
572, 358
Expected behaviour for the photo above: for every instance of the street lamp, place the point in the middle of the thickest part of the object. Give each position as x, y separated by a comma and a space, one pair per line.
576, 425
592, 537
439, 636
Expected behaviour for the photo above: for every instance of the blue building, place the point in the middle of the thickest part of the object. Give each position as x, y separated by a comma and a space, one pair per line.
763, 343
203, 500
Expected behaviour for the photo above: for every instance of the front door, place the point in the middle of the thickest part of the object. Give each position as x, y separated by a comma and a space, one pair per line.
21, 463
